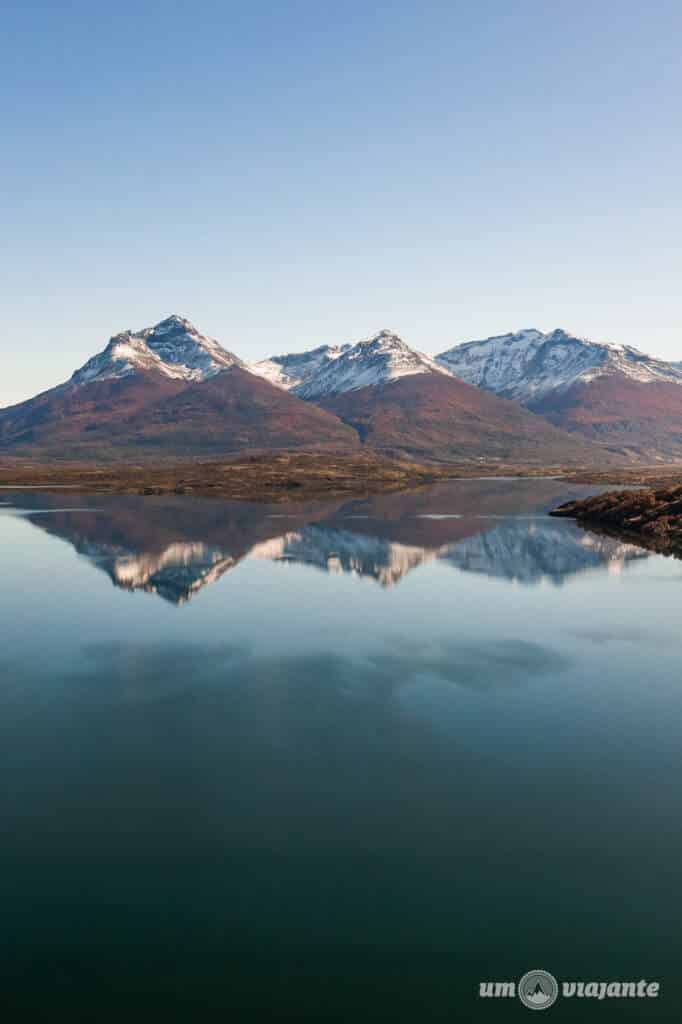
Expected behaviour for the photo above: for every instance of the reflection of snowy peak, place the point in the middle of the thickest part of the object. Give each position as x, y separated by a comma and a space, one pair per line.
524, 551
176, 574
182, 569
529, 364
530, 552
173, 348
340, 551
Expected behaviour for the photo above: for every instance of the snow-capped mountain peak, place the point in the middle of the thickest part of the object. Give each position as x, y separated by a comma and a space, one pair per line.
391, 345
173, 348
377, 360
380, 359
529, 364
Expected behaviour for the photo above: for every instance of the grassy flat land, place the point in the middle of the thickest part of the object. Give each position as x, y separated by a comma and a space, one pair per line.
272, 476
635, 476
260, 476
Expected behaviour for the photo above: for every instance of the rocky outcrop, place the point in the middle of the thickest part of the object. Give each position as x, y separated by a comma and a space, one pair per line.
654, 515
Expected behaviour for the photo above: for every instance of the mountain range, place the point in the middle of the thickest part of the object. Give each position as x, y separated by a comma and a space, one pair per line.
529, 397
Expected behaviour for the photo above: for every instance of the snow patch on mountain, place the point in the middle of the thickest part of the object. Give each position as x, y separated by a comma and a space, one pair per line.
297, 368
173, 348
528, 365
377, 360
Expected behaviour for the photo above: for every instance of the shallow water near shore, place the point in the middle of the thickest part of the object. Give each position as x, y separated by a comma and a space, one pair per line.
334, 761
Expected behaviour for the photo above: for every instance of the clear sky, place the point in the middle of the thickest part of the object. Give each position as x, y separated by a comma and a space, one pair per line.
293, 173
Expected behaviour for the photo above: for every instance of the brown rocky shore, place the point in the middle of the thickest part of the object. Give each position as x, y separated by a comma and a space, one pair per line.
651, 517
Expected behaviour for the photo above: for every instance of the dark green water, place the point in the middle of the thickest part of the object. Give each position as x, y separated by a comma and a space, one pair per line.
334, 762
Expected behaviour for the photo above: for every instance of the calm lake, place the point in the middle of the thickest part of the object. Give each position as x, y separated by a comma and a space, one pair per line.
339, 761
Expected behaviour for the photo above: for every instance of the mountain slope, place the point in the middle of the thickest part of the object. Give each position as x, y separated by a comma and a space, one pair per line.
613, 395
231, 411
641, 420
69, 416
434, 415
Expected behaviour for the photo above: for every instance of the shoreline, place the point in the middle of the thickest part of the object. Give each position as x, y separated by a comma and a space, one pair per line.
650, 517
272, 477
296, 475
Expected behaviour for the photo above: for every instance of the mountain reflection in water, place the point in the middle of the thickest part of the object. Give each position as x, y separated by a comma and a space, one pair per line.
174, 546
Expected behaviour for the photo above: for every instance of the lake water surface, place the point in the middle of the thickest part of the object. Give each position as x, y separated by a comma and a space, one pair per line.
339, 761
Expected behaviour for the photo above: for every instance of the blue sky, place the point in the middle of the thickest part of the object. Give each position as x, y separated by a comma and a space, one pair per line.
296, 173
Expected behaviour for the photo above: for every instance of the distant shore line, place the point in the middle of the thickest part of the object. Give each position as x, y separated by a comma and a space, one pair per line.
266, 476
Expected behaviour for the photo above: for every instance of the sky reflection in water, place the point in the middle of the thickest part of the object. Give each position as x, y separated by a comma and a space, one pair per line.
452, 743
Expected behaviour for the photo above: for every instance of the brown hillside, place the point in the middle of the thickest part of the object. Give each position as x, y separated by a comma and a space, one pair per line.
69, 415
644, 420
232, 411
428, 415
148, 414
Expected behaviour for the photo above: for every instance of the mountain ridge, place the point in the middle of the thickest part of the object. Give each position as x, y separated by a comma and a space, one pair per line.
294, 369
528, 365
334, 369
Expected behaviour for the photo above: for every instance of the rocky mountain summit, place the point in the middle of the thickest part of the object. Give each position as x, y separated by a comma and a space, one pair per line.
383, 358
173, 348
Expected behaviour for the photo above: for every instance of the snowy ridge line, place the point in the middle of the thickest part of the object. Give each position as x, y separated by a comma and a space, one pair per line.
528, 365
331, 370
